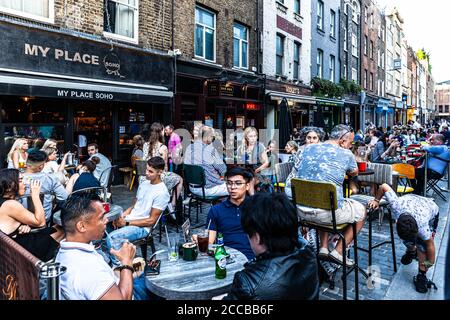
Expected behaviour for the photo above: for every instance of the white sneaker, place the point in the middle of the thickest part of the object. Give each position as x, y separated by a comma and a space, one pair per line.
323, 253
336, 257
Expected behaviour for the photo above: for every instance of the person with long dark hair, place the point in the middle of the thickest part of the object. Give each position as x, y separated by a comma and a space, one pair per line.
16, 221
85, 177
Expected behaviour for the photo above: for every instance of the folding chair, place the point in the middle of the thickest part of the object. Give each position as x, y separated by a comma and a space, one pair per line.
433, 181
322, 195
406, 173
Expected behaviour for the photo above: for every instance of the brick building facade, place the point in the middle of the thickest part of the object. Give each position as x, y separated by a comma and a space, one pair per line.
79, 72
217, 69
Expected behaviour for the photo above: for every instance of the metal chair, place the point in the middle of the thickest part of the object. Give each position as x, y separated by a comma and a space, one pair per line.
432, 181
109, 172
282, 171
194, 177
383, 174
322, 195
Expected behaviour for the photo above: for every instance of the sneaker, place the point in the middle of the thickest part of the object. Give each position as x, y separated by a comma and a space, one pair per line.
421, 283
408, 257
337, 258
323, 253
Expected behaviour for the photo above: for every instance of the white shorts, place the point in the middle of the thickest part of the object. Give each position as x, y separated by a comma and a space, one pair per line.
351, 211
217, 191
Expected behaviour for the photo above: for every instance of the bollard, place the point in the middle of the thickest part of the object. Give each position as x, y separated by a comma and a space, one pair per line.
51, 272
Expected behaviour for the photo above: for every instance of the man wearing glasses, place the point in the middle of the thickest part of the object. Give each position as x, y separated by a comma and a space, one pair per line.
226, 216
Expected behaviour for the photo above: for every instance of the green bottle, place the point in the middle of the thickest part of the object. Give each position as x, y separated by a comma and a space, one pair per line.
221, 262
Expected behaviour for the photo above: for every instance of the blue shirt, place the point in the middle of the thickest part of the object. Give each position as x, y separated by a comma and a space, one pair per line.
225, 218
327, 162
436, 164
85, 180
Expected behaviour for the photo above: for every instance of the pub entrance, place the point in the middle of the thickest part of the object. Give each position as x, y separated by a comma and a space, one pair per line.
93, 124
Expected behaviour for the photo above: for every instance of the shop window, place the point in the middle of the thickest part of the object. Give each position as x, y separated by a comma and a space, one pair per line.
41, 10
121, 19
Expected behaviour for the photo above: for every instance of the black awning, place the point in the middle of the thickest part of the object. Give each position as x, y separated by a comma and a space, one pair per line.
37, 86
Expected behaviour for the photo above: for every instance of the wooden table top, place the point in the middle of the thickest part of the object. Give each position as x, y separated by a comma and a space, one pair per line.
193, 280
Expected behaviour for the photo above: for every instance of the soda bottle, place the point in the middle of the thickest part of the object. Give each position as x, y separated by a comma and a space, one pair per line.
221, 262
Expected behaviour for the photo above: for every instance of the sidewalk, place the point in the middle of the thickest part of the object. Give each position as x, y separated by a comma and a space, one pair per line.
388, 285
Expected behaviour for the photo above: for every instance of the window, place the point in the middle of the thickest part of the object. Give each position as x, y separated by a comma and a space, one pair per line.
382, 33
345, 72
320, 15
319, 63
446, 109
297, 6
205, 34
356, 10
390, 40
371, 82
366, 80
397, 87
355, 75
365, 45
441, 109
240, 46
296, 60
390, 82
354, 45
42, 10
371, 49
345, 38
366, 14
121, 19
280, 54
332, 68
390, 61
332, 23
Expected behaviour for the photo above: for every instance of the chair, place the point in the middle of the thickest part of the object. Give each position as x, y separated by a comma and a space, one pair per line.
282, 171
194, 177
383, 174
149, 239
110, 171
432, 181
406, 173
322, 195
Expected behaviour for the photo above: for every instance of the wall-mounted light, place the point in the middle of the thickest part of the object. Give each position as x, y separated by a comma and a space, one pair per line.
26, 99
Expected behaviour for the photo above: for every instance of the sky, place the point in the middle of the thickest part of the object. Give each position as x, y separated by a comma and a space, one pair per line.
427, 25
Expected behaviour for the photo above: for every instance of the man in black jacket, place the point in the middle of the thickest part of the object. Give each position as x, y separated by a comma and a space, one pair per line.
284, 268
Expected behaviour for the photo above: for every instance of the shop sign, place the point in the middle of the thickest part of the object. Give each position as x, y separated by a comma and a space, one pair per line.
253, 106
83, 94
53, 53
220, 89
289, 27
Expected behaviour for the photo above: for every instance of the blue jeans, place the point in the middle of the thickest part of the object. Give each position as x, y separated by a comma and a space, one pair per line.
130, 233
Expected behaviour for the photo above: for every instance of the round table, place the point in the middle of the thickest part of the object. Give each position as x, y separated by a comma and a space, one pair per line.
368, 172
115, 212
193, 280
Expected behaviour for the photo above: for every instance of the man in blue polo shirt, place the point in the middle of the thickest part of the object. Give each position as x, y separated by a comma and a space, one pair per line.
226, 217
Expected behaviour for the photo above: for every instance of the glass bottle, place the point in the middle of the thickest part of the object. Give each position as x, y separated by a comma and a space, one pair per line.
221, 262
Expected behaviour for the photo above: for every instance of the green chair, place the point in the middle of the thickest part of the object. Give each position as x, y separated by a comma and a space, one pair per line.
322, 195
194, 177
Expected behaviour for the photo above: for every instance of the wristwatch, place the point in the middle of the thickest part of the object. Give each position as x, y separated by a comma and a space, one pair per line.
127, 223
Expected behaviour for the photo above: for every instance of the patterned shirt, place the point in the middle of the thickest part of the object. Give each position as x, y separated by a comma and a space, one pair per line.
422, 209
327, 163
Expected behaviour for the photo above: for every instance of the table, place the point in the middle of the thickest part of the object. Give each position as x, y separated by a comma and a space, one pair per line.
115, 212
368, 172
193, 280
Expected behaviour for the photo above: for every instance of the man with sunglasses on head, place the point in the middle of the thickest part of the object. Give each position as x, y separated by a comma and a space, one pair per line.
225, 217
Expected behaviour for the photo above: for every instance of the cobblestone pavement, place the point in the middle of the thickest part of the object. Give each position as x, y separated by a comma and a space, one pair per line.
384, 284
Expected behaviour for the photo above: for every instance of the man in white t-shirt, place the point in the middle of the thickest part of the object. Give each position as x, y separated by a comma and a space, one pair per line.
151, 200
88, 276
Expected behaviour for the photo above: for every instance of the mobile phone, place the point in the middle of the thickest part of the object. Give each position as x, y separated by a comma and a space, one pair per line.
152, 269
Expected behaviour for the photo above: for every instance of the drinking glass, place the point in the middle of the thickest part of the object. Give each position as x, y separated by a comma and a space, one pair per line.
202, 240
173, 247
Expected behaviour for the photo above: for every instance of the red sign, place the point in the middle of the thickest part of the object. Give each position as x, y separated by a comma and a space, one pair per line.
253, 106
289, 27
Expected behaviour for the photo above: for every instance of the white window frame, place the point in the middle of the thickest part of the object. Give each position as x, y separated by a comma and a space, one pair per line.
345, 72
51, 13
299, 7
354, 45
319, 63
320, 13
345, 38
241, 42
204, 38
332, 68
332, 23
355, 75
365, 45
116, 36
366, 79
299, 46
282, 55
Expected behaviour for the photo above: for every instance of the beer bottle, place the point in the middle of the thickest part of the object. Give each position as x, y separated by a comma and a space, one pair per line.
221, 262
219, 239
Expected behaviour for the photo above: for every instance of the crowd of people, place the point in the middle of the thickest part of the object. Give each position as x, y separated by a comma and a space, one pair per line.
253, 219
